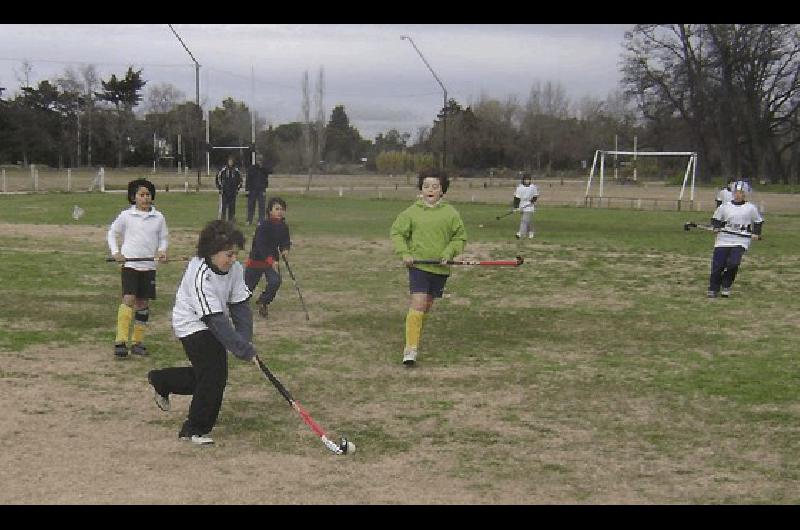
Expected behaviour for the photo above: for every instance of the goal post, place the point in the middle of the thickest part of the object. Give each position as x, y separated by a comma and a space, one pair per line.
250, 149
600, 155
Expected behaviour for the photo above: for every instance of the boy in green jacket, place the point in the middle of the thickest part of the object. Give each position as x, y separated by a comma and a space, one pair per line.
428, 229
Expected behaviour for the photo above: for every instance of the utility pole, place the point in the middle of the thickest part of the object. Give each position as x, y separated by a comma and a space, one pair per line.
197, 102
444, 108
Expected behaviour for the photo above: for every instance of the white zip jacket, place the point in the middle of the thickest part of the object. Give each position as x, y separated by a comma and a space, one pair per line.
525, 194
144, 234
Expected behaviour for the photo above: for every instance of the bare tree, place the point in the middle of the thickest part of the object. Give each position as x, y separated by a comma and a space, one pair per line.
308, 141
164, 97
669, 65
320, 115
24, 75
90, 81
70, 83
313, 131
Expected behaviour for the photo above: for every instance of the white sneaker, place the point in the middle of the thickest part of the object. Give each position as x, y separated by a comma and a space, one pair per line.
409, 356
530, 235
517, 235
199, 439
161, 401
724, 293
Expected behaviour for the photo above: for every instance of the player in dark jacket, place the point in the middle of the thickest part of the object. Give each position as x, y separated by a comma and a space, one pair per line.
270, 241
256, 185
229, 182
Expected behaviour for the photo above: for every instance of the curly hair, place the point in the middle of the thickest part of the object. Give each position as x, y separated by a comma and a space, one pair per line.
219, 235
133, 189
434, 173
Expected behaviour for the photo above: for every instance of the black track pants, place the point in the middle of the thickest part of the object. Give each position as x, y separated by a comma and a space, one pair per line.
205, 381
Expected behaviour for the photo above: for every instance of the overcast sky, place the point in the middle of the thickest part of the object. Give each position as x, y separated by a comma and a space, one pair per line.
379, 78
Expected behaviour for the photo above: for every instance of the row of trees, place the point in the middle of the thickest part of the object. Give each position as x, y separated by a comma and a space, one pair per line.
730, 92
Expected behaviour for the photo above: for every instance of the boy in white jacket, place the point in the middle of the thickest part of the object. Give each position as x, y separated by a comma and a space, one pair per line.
524, 197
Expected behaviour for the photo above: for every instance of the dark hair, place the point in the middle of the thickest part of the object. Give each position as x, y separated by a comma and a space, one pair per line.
133, 188
525, 176
219, 235
434, 173
273, 201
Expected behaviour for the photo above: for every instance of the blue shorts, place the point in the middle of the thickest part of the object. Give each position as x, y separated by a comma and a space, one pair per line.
426, 282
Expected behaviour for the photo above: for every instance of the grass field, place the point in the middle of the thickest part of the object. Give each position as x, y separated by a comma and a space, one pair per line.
597, 372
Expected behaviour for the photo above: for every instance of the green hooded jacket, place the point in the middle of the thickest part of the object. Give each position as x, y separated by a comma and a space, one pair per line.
429, 232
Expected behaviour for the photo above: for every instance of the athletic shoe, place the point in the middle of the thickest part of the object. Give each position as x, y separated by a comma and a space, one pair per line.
198, 439
712, 294
725, 293
530, 235
517, 235
139, 349
161, 400
409, 356
263, 310
121, 350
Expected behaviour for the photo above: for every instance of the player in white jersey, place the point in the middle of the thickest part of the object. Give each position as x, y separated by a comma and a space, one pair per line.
725, 195
729, 247
144, 235
211, 295
524, 197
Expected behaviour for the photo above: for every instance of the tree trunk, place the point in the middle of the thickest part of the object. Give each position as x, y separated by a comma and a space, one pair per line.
89, 142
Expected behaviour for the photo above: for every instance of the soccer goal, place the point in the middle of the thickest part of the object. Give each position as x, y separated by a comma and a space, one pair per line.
600, 156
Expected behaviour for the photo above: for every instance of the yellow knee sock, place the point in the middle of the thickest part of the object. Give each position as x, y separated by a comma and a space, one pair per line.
140, 319
414, 321
138, 332
124, 317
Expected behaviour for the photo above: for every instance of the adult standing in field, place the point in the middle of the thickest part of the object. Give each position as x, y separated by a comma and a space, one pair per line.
737, 215
270, 242
725, 194
229, 182
524, 197
428, 229
144, 235
255, 188
211, 316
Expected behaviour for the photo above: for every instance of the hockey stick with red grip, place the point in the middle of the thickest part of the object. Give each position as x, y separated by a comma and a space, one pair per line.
344, 447
510, 263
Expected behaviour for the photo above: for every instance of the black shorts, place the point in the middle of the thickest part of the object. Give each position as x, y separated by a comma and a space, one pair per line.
142, 284
426, 282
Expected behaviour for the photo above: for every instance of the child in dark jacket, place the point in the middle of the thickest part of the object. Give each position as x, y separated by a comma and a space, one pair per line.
270, 241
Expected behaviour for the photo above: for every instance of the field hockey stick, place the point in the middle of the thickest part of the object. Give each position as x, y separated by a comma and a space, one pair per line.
512, 263
185, 258
687, 226
344, 447
297, 287
505, 215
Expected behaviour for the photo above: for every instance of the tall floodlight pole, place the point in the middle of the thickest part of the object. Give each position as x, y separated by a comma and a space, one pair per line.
444, 108
197, 102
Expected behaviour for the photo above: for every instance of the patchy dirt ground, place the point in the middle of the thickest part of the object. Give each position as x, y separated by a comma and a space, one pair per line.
79, 427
